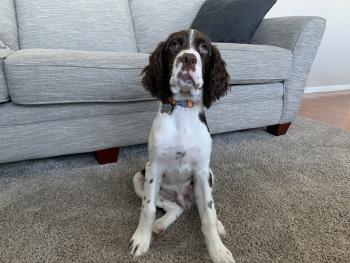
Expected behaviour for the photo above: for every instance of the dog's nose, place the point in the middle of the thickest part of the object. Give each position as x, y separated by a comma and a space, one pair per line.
189, 60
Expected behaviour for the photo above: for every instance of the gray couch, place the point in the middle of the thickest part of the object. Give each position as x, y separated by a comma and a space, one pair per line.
70, 73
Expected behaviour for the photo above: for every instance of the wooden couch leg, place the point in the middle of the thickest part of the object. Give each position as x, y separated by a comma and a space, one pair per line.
278, 129
107, 155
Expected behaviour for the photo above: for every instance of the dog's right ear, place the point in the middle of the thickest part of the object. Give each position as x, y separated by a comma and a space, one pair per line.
156, 74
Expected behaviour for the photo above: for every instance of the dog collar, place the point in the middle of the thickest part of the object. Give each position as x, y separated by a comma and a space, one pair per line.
170, 105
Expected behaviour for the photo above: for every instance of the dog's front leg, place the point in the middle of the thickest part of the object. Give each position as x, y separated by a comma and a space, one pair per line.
205, 203
141, 240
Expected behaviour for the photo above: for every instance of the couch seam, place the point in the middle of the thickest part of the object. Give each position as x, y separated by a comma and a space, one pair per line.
2, 60
15, 6
66, 119
65, 66
133, 26
103, 115
62, 102
302, 33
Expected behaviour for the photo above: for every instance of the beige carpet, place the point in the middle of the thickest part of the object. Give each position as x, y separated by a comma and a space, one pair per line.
281, 199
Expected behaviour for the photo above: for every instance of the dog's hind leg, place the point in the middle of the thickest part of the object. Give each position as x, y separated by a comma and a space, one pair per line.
138, 182
172, 212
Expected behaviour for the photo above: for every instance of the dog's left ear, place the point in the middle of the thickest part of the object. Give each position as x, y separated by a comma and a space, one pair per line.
156, 74
216, 79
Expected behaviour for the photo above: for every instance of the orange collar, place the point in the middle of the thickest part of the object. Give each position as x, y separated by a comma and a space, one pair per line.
170, 105
182, 103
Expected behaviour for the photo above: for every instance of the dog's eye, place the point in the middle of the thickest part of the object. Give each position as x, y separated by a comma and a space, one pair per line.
176, 45
203, 48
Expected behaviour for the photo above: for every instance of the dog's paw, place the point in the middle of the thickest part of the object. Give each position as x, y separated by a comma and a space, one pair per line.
140, 243
159, 227
221, 229
220, 254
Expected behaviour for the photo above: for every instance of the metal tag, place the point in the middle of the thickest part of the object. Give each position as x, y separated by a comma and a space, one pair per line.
167, 108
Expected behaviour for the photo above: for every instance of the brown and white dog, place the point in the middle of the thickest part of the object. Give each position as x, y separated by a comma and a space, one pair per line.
186, 73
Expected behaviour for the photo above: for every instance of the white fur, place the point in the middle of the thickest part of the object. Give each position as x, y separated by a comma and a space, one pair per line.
179, 151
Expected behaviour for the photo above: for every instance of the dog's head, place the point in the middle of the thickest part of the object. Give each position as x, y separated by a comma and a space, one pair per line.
186, 65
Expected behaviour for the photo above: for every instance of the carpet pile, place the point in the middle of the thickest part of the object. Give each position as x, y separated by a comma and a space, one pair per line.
281, 199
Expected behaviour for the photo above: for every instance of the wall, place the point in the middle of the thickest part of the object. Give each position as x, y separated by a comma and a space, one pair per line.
332, 64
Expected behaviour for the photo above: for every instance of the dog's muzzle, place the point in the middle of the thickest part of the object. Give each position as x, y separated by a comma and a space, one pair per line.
187, 72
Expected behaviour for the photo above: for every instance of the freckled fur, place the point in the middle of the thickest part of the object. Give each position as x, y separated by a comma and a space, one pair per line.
180, 142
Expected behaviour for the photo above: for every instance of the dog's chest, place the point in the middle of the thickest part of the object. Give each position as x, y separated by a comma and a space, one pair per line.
180, 142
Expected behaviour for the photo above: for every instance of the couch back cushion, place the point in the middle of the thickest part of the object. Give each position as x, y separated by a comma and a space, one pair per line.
75, 24
155, 20
8, 24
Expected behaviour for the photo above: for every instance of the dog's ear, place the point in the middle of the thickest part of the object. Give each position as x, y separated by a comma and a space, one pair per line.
216, 79
156, 74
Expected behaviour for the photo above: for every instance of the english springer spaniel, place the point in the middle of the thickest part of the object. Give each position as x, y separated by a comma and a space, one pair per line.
186, 73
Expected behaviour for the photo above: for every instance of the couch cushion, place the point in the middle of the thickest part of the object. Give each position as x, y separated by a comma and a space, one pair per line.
233, 21
41, 76
75, 24
248, 63
4, 96
8, 24
14, 114
155, 20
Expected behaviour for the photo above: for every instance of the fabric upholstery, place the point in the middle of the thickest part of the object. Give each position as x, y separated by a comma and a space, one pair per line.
3, 87
62, 76
13, 114
8, 24
155, 20
255, 63
256, 106
76, 24
86, 134
301, 35
107, 68
231, 21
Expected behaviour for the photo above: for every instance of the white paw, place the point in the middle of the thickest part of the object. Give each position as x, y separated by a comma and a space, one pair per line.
159, 227
140, 242
220, 254
221, 229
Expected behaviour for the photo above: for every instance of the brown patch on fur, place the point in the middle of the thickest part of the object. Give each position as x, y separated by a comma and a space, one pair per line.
216, 78
158, 72
210, 180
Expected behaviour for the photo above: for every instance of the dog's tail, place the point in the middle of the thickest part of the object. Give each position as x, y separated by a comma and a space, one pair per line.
138, 182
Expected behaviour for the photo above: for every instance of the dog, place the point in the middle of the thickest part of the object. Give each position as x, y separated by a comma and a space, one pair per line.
187, 74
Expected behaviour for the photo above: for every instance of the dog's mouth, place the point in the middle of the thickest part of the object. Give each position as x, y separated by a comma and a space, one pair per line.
186, 79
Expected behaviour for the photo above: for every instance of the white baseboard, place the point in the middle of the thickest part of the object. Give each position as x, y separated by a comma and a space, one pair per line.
327, 88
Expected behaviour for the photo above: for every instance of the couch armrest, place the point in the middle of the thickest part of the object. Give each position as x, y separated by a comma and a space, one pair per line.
301, 35
4, 96
5, 53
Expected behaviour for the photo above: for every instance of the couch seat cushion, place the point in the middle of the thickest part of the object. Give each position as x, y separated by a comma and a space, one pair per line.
41, 76
4, 96
253, 64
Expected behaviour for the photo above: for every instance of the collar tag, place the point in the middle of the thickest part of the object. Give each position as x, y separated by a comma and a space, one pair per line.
167, 108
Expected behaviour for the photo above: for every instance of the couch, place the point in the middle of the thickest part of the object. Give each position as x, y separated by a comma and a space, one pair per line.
70, 74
